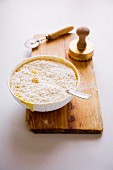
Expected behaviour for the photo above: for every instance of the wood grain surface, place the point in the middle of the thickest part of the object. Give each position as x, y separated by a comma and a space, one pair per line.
78, 116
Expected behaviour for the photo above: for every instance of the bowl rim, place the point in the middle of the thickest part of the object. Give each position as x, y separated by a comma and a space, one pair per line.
44, 56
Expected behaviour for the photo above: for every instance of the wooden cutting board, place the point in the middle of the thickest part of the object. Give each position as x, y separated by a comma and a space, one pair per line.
78, 116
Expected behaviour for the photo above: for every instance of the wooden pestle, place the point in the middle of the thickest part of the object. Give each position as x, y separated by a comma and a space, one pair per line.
82, 32
81, 49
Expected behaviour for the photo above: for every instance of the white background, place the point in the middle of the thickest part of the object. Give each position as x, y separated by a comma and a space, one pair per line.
23, 150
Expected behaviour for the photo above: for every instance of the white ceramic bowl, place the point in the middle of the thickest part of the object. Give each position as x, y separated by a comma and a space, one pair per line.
49, 106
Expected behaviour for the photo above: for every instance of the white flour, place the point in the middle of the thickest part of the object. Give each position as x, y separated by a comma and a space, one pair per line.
43, 81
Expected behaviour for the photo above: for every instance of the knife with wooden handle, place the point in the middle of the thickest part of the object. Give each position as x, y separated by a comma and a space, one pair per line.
33, 43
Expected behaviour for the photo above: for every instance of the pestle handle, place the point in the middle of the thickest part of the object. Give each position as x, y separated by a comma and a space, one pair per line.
82, 32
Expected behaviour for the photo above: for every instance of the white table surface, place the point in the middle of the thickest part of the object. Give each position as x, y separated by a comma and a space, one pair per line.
19, 148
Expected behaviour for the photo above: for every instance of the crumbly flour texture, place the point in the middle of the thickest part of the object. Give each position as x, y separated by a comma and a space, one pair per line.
43, 81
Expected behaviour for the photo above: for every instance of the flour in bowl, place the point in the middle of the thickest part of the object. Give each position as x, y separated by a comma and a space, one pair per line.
43, 81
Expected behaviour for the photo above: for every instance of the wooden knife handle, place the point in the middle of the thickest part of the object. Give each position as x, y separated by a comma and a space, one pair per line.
59, 33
